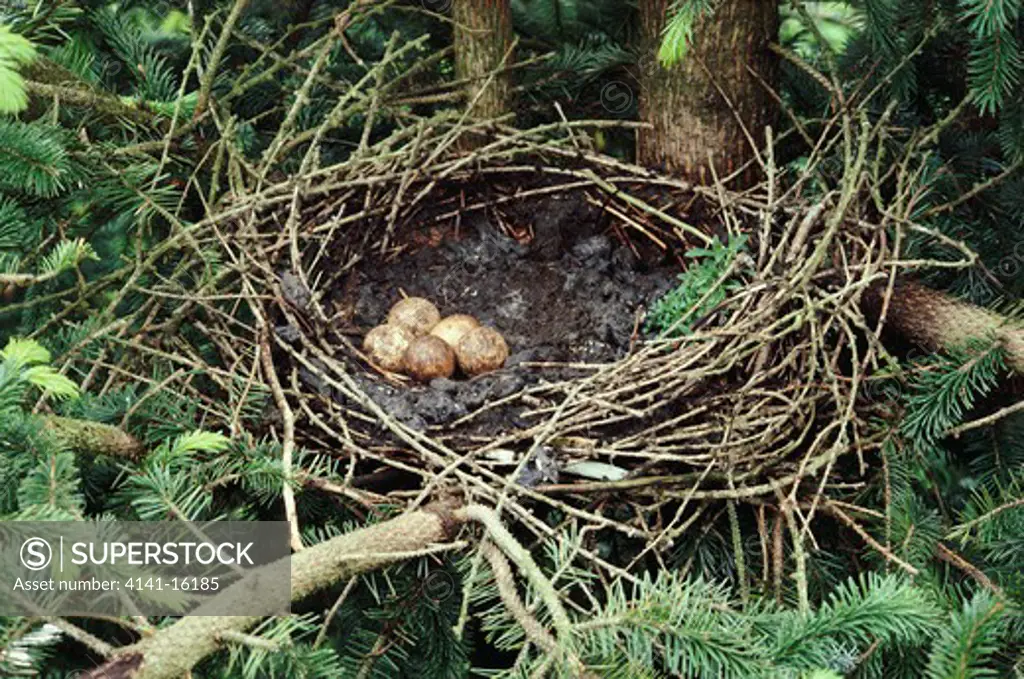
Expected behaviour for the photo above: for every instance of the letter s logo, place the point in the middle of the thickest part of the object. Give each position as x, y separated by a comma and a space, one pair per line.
36, 554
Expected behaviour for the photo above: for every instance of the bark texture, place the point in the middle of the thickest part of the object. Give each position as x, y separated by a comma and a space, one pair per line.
483, 35
93, 438
935, 320
695, 107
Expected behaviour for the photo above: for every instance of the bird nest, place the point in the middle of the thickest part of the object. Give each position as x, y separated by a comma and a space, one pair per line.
762, 393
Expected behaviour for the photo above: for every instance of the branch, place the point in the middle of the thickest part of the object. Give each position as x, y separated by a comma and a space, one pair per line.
174, 651
831, 508
545, 588
93, 438
505, 582
287, 445
49, 80
206, 86
949, 556
937, 320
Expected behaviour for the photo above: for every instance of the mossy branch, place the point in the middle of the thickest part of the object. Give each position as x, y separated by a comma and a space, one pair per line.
93, 438
49, 80
174, 651
937, 321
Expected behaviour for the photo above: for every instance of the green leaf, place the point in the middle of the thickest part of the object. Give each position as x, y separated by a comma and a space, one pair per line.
675, 312
24, 352
66, 256
986, 17
200, 441
34, 159
967, 642
994, 69
51, 490
678, 33
13, 98
51, 381
14, 47
14, 51
14, 224
944, 387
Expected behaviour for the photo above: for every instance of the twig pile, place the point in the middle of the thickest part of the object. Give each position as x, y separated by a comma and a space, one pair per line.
760, 401
761, 398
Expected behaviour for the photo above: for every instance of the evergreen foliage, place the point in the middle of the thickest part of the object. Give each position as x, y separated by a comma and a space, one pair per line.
679, 31
88, 188
671, 626
15, 51
945, 386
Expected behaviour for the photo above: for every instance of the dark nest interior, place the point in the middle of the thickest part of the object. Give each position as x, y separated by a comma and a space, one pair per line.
550, 265
566, 289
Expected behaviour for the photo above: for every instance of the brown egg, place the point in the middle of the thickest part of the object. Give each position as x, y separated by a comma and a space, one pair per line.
481, 350
429, 357
416, 314
452, 328
386, 345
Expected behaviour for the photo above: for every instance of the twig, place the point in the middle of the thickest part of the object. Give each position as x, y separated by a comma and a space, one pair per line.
835, 511
206, 84
287, 444
948, 555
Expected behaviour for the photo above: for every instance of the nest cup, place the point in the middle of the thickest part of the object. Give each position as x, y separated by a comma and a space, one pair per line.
650, 418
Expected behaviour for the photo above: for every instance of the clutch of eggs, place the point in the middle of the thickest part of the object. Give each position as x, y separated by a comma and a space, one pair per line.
417, 341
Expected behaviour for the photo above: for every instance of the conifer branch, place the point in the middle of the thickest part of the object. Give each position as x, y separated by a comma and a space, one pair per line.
97, 101
51, 81
545, 589
949, 556
287, 446
986, 421
535, 632
93, 643
834, 510
940, 321
206, 86
175, 650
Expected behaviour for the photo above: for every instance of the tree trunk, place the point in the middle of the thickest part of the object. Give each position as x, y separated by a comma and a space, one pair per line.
483, 35
174, 650
699, 107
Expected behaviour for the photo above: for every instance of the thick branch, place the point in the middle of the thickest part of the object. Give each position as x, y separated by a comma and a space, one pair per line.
48, 80
936, 320
174, 651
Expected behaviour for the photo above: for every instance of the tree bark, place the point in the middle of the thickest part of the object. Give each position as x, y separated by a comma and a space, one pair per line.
93, 438
483, 35
936, 321
700, 107
173, 651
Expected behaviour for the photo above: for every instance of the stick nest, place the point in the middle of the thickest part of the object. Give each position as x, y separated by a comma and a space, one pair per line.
765, 394
763, 397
